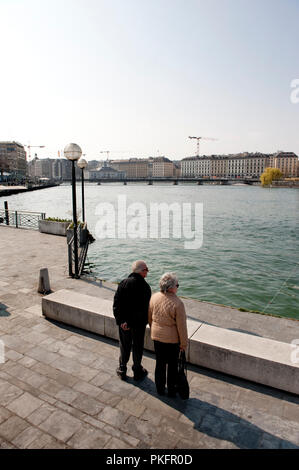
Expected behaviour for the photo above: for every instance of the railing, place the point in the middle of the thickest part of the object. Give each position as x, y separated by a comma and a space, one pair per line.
82, 247
21, 219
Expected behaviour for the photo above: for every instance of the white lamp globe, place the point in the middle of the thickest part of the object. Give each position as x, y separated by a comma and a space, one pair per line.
72, 152
82, 163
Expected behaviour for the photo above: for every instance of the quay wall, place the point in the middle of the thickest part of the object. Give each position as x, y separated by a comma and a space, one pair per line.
11, 190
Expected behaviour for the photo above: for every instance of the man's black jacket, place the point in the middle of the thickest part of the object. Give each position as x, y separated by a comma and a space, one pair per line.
131, 301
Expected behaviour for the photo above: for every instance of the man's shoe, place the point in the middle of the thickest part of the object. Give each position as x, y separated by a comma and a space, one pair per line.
140, 374
161, 391
121, 374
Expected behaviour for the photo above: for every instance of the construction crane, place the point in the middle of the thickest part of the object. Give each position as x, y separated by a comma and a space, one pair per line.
198, 140
31, 146
106, 151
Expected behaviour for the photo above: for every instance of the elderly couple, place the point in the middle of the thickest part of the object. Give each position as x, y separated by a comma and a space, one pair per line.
133, 308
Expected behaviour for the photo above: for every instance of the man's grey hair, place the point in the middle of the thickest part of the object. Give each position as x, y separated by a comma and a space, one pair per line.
168, 281
138, 266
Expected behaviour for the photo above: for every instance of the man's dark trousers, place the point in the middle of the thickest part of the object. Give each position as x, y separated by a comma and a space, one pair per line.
132, 338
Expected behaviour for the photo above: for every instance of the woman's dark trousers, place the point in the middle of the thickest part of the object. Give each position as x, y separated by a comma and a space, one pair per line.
131, 339
167, 354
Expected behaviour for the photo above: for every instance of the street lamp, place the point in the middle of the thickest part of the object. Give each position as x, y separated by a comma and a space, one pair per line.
73, 152
82, 163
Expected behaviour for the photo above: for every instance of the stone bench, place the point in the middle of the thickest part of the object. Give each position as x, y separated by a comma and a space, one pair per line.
250, 357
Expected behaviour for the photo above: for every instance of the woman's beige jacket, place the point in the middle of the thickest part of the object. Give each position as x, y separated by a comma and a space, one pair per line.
167, 319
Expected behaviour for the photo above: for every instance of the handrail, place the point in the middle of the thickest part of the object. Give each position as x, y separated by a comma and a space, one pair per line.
21, 219
21, 212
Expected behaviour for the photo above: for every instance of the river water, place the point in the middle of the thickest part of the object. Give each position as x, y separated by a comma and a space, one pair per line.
249, 255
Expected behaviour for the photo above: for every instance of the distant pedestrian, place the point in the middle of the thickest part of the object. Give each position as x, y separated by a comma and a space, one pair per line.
130, 309
167, 319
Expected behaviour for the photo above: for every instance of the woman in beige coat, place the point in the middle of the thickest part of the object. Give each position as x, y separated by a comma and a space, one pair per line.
167, 319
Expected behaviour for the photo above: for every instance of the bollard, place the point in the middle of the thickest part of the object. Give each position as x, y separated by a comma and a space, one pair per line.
6, 212
44, 282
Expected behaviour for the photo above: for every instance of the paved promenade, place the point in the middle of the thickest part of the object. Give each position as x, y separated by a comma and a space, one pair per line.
58, 387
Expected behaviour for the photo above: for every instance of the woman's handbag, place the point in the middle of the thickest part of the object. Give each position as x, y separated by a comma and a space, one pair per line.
182, 383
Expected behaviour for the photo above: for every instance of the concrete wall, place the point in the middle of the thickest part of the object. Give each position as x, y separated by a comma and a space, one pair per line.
243, 355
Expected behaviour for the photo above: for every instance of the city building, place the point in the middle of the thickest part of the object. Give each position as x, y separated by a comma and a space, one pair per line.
162, 167
243, 165
177, 168
52, 168
13, 159
106, 172
133, 167
192, 167
286, 162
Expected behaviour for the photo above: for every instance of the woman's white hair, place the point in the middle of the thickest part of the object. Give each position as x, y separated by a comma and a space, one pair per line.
138, 266
168, 281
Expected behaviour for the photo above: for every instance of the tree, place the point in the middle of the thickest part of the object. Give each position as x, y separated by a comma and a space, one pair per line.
269, 175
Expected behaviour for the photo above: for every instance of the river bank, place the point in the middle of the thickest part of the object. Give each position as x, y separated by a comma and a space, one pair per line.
11, 190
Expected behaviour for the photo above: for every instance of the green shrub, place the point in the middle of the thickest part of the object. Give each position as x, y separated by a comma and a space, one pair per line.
55, 219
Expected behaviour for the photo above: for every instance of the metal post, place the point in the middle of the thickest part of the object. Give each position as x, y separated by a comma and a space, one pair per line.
16, 215
6, 212
75, 220
83, 205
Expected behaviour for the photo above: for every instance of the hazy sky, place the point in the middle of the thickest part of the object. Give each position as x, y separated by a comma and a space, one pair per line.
139, 76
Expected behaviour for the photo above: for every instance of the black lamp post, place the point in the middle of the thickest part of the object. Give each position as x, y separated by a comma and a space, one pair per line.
82, 163
73, 152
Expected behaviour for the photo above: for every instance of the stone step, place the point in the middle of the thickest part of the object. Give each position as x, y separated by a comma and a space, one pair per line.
250, 357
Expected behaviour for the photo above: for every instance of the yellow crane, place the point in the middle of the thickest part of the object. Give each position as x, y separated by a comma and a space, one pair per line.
199, 139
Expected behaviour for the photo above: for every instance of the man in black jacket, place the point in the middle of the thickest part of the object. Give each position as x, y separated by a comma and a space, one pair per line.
130, 309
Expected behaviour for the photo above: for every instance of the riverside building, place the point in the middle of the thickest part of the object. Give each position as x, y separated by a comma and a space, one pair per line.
13, 159
52, 168
286, 161
163, 167
133, 167
243, 165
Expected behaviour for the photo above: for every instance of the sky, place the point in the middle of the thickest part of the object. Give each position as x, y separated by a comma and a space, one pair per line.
137, 77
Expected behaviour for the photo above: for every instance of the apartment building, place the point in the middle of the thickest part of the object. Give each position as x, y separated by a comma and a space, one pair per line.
243, 165
286, 162
177, 168
133, 167
13, 159
192, 167
55, 168
163, 167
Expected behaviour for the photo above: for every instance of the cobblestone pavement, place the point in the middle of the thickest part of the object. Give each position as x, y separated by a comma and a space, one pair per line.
58, 387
